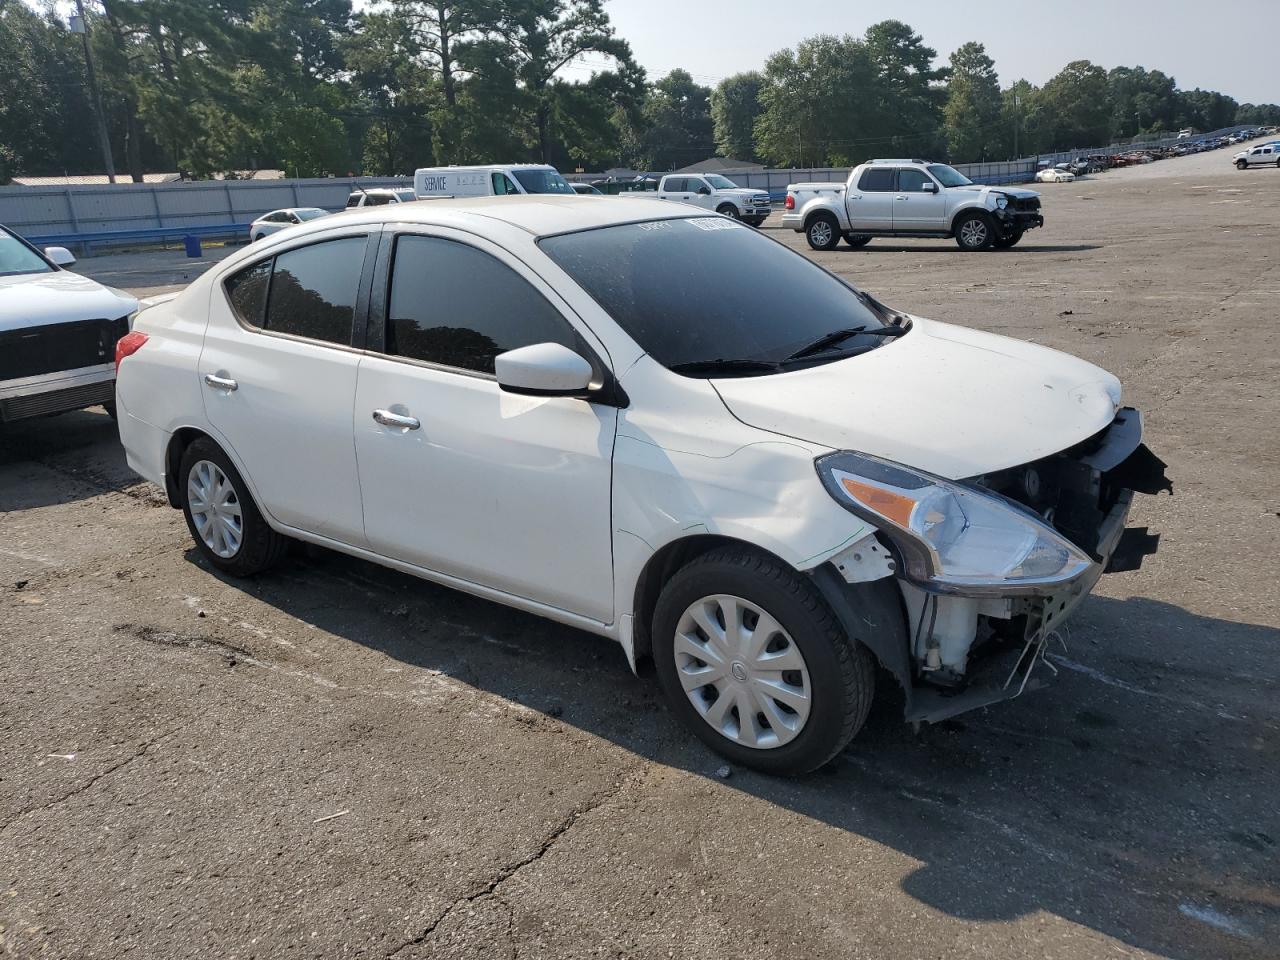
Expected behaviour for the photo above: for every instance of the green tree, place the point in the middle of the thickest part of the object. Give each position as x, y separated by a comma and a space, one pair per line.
1142, 102
397, 92
678, 127
972, 115
1260, 114
1207, 110
735, 104
1077, 104
908, 94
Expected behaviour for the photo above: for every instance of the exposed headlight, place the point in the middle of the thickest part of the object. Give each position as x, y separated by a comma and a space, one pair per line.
953, 538
1001, 202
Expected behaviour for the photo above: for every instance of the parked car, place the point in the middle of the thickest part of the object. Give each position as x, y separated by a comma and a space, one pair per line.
712, 191
379, 196
1055, 175
910, 198
586, 190
547, 405
58, 333
489, 180
270, 223
1266, 155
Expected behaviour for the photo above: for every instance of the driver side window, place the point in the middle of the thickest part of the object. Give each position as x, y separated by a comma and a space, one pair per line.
913, 181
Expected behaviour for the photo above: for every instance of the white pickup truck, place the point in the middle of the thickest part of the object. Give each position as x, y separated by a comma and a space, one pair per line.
910, 198
711, 191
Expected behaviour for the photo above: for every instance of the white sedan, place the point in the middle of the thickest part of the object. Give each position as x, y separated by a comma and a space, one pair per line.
763, 488
1054, 175
58, 333
277, 220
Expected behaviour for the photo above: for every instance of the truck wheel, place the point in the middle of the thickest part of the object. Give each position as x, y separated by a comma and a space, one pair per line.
974, 231
1242, 164
752, 659
1004, 243
856, 240
225, 523
822, 232
727, 210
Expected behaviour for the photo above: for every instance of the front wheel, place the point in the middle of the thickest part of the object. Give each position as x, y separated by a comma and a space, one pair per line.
855, 240
1004, 243
822, 233
753, 661
974, 232
727, 210
224, 521
1242, 164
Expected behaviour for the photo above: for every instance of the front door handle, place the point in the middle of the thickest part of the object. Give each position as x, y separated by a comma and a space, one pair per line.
389, 419
220, 383
899, 198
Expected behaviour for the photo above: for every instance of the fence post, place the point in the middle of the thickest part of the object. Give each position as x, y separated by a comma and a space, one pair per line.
294, 185
75, 221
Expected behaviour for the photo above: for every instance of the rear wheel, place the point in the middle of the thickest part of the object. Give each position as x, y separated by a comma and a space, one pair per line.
974, 232
224, 521
822, 232
1004, 243
753, 661
856, 240
727, 210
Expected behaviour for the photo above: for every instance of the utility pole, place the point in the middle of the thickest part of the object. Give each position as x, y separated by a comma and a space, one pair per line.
81, 26
1017, 122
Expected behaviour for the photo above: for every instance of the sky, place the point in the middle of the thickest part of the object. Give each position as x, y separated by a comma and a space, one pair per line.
1232, 46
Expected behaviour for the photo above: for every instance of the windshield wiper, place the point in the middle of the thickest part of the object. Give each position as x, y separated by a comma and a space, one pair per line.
731, 366
836, 337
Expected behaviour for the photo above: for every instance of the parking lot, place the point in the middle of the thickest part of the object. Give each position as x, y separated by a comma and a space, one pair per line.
335, 760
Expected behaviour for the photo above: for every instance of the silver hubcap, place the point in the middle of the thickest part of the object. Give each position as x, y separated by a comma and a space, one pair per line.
820, 233
215, 508
742, 672
973, 233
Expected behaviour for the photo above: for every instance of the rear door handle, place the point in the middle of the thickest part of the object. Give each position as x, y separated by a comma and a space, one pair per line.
389, 419
220, 383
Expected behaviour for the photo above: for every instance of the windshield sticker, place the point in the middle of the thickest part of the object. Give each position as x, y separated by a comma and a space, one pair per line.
714, 223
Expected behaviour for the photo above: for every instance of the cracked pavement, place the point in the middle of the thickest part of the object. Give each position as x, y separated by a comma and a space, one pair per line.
336, 760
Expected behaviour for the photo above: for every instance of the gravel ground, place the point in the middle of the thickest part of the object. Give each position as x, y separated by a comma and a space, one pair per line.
339, 761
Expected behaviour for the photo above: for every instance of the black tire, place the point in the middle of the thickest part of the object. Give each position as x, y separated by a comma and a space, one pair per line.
841, 673
755, 221
260, 546
822, 232
974, 231
856, 240
110, 407
1004, 243
1242, 164
728, 210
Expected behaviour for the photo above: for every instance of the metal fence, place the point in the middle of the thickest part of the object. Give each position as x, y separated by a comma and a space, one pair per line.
66, 212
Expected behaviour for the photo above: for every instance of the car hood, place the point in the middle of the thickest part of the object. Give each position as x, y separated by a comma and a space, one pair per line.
32, 300
745, 192
1014, 192
946, 399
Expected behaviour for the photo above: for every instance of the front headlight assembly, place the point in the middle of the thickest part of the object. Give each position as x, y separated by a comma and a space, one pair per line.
953, 538
1001, 202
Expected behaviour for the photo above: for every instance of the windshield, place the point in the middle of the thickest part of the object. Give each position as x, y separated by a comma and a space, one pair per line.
947, 176
17, 257
721, 183
542, 181
405, 195
703, 290
310, 213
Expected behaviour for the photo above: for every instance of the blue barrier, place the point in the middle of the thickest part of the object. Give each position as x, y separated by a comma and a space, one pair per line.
86, 240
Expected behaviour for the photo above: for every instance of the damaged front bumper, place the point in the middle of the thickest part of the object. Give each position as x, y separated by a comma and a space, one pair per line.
973, 647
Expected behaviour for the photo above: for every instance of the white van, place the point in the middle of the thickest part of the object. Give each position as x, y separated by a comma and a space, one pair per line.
491, 180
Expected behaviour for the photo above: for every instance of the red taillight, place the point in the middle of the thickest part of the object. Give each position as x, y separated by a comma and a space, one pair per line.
128, 345
790, 202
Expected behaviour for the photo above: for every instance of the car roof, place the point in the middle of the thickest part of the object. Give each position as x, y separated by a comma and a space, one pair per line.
540, 215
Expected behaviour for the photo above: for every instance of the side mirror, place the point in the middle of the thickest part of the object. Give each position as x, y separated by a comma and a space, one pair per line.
543, 370
705, 191
929, 187
60, 255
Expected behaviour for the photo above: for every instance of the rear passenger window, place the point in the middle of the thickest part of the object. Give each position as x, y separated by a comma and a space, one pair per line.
353, 200
247, 291
313, 290
456, 306
876, 180
675, 185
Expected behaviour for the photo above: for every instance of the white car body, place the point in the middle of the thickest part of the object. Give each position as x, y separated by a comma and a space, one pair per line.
58, 332
278, 220
489, 180
1054, 175
379, 196
715, 193
1264, 155
579, 507
878, 201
